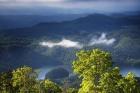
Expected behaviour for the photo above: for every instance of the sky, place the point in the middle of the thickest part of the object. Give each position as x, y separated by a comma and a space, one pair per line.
52, 7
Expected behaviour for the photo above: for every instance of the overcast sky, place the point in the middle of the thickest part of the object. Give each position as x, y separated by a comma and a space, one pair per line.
50, 7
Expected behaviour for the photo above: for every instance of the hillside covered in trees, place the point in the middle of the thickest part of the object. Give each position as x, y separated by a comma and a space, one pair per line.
94, 70
117, 34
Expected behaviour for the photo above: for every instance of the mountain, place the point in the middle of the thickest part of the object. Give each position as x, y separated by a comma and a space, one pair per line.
88, 24
21, 21
21, 46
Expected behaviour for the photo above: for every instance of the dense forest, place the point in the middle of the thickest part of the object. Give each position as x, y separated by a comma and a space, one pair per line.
94, 69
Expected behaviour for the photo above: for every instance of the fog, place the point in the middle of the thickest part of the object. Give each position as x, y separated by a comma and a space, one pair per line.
66, 43
63, 43
102, 40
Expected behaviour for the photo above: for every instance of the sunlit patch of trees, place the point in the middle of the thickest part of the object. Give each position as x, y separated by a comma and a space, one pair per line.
99, 76
94, 68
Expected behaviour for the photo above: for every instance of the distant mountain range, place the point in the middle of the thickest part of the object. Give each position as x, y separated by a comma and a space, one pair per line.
20, 46
20, 21
91, 23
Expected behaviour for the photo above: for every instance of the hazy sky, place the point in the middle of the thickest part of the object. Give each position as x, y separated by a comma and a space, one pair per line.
50, 7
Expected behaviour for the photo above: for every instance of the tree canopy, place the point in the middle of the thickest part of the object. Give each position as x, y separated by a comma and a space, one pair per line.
99, 76
94, 68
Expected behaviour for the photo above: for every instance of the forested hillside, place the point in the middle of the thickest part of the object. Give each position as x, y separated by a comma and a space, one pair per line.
26, 43
93, 67
95, 73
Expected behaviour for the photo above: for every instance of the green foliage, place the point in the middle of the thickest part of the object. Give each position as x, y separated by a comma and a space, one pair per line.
98, 75
90, 65
94, 68
51, 87
24, 78
5, 82
71, 90
109, 80
128, 84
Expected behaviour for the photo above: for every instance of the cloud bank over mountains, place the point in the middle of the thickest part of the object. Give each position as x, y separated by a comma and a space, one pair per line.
102, 40
64, 43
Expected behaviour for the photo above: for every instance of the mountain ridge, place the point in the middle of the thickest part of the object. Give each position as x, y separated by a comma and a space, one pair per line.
90, 23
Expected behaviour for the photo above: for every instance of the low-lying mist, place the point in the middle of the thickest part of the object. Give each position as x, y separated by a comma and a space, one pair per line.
63, 43
66, 43
102, 40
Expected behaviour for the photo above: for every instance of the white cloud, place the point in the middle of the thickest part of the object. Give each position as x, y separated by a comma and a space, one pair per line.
102, 40
64, 43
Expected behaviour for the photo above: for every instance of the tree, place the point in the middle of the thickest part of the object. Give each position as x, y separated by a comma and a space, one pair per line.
98, 75
71, 90
109, 81
90, 65
129, 84
50, 87
6, 82
24, 79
